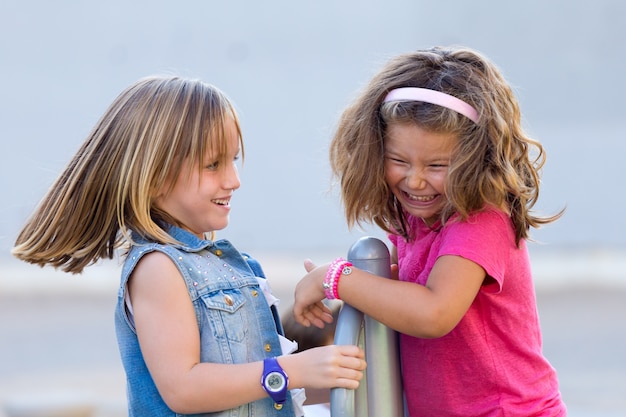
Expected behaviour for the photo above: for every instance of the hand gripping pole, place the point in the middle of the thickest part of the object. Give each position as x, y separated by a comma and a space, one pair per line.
380, 392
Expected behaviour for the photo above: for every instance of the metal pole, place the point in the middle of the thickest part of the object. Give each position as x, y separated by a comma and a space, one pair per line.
383, 382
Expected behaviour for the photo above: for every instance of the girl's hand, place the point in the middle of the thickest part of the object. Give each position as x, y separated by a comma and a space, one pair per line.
325, 367
308, 307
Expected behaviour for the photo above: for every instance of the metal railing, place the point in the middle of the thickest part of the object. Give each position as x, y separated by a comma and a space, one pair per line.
380, 392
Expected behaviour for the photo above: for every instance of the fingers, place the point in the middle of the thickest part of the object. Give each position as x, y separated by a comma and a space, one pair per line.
351, 367
303, 316
346, 356
325, 367
394, 271
323, 312
309, 265
308, 308
317, 315
344, 365
351, 351
349, 383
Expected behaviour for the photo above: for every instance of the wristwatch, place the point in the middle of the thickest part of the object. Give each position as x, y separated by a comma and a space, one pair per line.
274, 382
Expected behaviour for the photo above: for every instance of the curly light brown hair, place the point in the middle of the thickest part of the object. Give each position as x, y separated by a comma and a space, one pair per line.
495, 163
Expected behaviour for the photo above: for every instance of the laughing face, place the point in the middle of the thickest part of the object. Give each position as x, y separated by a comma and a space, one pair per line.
416, 167
200, 202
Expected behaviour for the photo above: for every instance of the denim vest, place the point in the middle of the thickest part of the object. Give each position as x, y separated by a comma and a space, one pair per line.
236, 324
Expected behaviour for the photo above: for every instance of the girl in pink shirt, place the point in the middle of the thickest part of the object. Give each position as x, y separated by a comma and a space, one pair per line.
436, 139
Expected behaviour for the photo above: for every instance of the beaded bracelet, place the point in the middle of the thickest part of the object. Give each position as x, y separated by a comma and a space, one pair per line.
336, 268
331, 278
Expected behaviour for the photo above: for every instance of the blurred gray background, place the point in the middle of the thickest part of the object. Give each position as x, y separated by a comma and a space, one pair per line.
290, 67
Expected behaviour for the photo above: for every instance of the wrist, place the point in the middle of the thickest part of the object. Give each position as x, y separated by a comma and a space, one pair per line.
337, 268
275, 382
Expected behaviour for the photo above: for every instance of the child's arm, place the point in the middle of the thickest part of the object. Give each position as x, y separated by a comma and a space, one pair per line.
422, 311
168, 335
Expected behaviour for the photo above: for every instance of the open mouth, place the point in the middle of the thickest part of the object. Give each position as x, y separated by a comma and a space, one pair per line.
221, 202
420, 198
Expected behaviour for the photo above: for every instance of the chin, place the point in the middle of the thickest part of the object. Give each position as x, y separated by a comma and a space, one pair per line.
220, 227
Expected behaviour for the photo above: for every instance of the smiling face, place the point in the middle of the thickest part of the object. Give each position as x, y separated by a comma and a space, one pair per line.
416, 167
200, 198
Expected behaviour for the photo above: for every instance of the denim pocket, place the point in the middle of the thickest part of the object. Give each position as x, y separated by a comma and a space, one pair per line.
225, 314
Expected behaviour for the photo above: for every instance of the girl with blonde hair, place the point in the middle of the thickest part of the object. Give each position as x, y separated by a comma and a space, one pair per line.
196, 324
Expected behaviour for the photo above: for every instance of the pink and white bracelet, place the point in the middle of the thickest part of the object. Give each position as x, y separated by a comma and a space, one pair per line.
336, 268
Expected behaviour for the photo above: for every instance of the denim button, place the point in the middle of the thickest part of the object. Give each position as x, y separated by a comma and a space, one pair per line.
229, 300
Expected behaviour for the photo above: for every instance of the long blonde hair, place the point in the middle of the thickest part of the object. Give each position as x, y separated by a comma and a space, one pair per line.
108, 188
495, 162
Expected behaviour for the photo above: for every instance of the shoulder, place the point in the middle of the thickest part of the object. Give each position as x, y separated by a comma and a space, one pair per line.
490, 219
157, 280
488, 228
492, 213
148, 253
156, 259
155, 265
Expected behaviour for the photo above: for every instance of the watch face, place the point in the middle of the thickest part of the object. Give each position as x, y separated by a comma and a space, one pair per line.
275, 381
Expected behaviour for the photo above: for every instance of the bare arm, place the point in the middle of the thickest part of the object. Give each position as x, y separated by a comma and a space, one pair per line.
169, 338
422, 311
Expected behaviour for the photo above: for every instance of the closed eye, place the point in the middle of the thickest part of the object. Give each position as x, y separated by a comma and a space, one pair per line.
395, 160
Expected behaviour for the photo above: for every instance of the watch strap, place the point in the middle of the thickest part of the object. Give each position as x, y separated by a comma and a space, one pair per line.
271, 368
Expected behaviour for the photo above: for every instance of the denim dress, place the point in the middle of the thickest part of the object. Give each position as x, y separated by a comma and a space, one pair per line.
235, 321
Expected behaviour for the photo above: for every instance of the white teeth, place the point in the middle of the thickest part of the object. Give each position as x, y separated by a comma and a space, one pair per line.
421, 198
221, 202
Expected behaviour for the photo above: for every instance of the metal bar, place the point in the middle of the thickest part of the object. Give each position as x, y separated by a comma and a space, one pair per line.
382, 383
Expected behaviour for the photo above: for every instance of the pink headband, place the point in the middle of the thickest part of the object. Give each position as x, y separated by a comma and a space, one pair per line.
433, 97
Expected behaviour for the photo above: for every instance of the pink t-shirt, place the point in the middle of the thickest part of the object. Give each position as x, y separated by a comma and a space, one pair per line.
491, 363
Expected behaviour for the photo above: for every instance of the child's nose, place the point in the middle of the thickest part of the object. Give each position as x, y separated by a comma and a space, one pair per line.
230, 178
415, 179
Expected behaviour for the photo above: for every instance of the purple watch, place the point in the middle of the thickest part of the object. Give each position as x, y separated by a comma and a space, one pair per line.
274, 382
